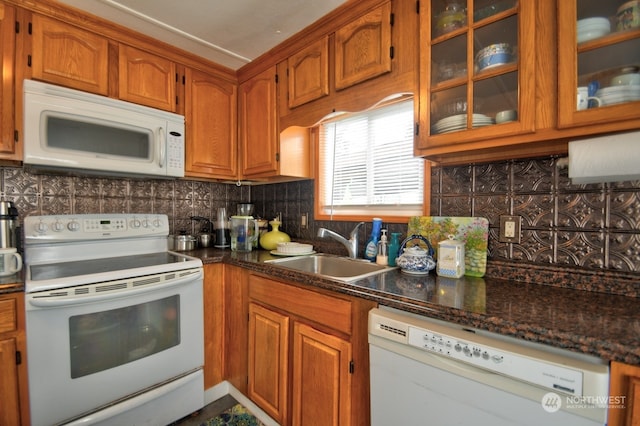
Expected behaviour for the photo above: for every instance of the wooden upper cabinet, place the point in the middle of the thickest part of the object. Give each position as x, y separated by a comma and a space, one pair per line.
363, 48
596, 59
146, 79
477, 63
7, 52
69, 56
258, 130
210, 115
308, 73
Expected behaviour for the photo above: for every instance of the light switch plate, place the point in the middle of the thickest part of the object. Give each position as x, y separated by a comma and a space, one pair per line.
510, 229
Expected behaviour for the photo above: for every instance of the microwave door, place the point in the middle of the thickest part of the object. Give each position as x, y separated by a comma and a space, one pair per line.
94, 144
66, 129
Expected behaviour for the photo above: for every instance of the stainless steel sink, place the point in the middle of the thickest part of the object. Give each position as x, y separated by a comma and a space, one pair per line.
335, 267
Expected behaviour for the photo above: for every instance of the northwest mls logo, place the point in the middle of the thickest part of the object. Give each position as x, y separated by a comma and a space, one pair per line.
551, 402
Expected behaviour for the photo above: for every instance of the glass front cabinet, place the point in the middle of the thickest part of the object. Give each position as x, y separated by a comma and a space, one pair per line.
477, 69
598, 62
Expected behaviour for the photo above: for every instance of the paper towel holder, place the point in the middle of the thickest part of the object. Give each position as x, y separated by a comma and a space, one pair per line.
609, 158
562, 163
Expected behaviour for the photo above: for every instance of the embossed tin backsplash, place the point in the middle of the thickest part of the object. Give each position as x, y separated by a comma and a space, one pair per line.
593, 227
46, 194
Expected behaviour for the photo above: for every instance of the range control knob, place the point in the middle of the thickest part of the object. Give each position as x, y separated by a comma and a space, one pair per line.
135, 223
58, 226
497, 359
157, 223
41, 227
73, 226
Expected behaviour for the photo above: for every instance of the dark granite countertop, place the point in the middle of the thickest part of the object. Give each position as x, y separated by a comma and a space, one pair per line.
595, 323
12, 283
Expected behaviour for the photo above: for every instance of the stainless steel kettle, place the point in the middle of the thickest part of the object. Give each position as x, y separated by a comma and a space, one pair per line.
8, 224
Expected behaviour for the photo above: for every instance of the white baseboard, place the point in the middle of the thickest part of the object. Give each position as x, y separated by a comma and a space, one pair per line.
216, 392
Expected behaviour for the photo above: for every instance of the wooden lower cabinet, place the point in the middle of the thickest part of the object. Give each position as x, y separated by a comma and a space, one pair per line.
213, 303
10, 402
225, 325
14, 397
321, 382
269, 360
308, 354
625, 382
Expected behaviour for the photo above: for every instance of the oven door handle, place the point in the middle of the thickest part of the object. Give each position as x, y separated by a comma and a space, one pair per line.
66, 300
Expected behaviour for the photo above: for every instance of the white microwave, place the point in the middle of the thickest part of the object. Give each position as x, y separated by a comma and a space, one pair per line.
67, 129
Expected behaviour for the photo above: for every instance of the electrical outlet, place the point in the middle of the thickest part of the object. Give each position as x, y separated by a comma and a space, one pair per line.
510, 227
304, 220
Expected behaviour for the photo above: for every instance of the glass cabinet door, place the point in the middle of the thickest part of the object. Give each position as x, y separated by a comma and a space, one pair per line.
599, 62
477, 63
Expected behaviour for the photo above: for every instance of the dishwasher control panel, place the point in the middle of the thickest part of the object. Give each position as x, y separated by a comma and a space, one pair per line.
454, 348
547, 374
424, 338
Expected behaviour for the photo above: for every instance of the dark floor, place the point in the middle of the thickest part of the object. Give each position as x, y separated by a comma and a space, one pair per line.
207, 412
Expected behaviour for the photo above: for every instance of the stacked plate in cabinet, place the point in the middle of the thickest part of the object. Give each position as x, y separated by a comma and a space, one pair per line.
590, 28
619, 94
459, 122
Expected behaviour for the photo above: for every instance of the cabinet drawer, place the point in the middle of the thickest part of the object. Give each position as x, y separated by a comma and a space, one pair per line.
330, 311
8, 315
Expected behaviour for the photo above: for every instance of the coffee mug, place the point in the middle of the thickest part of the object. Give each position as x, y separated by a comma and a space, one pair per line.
10, 261
584, 98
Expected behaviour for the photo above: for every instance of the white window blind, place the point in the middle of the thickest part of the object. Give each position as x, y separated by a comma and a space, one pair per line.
367, 164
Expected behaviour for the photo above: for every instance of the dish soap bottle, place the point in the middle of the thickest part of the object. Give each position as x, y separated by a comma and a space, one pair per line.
382, 258
371, 249
394, 248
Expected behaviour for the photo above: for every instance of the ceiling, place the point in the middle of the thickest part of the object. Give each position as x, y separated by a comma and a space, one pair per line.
229, 32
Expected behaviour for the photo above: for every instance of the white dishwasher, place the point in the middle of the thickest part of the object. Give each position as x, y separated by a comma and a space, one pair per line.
429, 372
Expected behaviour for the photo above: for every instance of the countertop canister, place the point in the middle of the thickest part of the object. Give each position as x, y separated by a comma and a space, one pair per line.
450, 258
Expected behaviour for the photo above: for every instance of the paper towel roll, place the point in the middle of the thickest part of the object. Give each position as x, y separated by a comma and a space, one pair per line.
610, 158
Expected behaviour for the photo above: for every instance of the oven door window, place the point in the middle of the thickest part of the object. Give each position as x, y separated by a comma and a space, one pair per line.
103, 340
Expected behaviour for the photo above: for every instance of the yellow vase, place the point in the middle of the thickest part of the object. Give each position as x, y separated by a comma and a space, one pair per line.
269, 240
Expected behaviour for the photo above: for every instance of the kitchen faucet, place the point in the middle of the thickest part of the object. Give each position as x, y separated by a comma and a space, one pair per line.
351, 244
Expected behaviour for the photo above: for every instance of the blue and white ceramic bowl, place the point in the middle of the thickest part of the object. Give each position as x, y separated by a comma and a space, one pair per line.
493, 55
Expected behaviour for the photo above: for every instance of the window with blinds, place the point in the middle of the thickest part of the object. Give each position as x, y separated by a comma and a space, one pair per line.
366, 164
